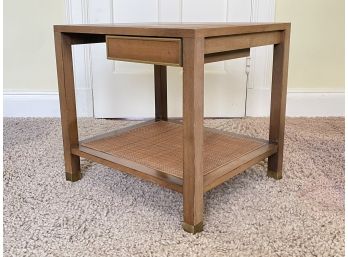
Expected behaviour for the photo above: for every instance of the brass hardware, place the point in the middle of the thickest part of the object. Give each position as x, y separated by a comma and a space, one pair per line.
193, 228
72, 177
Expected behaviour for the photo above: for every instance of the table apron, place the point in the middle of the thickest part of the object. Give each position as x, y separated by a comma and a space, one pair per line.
243, 41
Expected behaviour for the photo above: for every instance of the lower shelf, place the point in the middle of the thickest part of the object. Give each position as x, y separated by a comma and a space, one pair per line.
154, 151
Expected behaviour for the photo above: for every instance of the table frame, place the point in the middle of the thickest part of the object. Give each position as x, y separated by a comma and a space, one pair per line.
199, 46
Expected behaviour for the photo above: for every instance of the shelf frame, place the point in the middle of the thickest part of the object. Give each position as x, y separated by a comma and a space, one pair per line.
211, 179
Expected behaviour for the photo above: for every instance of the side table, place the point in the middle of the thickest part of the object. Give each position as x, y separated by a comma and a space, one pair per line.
185, 157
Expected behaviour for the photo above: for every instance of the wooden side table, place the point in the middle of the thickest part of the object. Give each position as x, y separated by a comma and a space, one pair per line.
182, 156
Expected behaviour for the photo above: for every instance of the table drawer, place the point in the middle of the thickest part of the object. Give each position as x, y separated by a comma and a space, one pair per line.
164, 51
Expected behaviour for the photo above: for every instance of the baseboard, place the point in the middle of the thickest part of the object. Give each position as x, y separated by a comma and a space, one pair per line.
36, 104
308, 104
299, 104
43, 104
315, 104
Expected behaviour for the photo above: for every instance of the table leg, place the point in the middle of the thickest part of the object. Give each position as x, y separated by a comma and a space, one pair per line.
160, 92
278, 104
193, 67
67, 104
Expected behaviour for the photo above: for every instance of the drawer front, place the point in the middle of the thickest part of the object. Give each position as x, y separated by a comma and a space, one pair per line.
163, 51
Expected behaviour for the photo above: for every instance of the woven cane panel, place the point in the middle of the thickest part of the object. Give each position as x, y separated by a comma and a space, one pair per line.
159, 145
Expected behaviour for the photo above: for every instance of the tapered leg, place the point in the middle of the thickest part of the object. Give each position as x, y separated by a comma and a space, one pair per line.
161, 92
67, 104
193, 65
278, 104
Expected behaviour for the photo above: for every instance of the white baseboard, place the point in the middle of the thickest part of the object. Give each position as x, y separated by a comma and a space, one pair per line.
315, 104
22, 104
308, 104
299, 104
43, 104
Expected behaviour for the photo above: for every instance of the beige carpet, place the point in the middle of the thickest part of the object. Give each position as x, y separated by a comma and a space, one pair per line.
108, 213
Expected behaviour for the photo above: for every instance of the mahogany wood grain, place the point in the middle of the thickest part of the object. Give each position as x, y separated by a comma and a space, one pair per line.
161, 112
278, 103
193, 93
65, 75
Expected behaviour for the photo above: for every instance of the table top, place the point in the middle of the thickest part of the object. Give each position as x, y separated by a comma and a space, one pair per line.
173, 29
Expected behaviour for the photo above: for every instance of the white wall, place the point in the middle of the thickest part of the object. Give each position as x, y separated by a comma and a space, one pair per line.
316, 77
29, 62
317, 44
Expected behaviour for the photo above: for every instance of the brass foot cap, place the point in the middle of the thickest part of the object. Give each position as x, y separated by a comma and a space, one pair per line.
72, 176
274, 174
193, 228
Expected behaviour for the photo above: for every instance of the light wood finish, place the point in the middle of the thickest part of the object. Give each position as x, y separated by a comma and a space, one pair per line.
229, 43
233, 168
183, 157
162, 51
193, 93
161, 112
67, 104
134, 169
173, 29
117, 132
159, 145
278, 103
156, 149
228, 55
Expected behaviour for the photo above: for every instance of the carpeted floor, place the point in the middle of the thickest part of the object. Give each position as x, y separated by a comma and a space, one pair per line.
108, 213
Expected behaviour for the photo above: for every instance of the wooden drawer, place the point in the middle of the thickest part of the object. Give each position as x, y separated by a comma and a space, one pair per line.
163, 51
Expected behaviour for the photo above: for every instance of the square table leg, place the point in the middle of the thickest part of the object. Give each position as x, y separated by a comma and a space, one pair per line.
278, 104
193, 78
65, 73
160, 92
